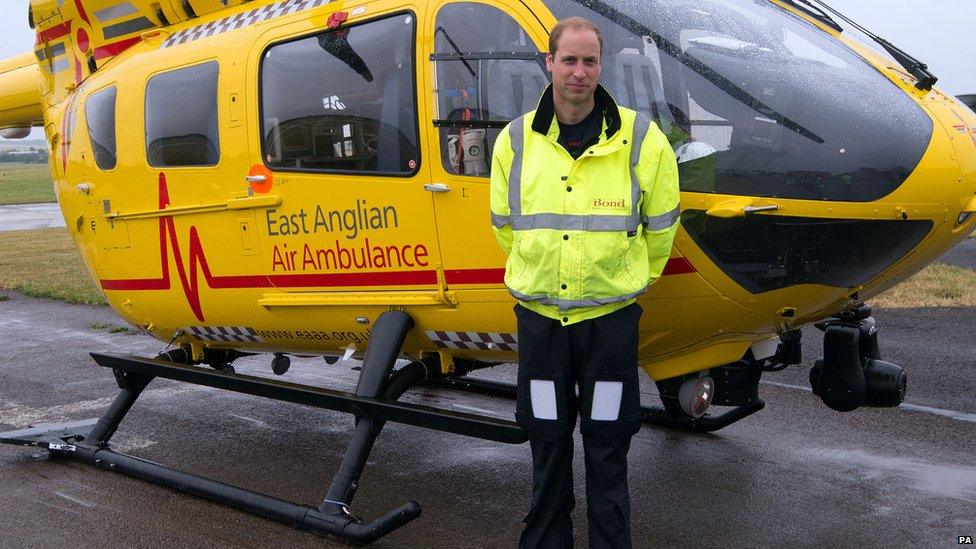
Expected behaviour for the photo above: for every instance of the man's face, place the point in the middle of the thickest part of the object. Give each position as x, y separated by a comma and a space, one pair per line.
575, 66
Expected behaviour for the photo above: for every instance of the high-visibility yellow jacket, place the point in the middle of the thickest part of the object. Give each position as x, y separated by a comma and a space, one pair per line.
584, 237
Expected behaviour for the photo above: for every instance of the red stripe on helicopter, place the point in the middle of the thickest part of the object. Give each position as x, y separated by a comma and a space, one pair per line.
115, 48
678, 266
198, 263
675, 266
400, 278
474, 276
54, 32
82, 13
78, 76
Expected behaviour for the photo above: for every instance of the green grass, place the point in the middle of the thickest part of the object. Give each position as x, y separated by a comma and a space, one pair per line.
45, 263
4, 297
112, 328
25, 183
938, 285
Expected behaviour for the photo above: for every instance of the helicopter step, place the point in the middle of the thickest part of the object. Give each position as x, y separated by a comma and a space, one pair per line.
373, 404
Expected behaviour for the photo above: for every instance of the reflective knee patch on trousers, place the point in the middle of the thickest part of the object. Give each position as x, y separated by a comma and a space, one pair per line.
610, 406
542, 393
606, 400
544, 408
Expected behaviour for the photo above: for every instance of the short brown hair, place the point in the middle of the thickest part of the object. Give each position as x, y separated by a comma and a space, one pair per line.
575, 23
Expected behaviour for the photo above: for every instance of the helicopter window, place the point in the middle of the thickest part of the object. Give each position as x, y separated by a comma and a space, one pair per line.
181, 117
488, 72
756, 100
69, 127
100, 116
343, 100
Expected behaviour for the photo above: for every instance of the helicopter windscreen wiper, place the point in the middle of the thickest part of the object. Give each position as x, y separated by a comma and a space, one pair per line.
457, 50
336, 44
816, 12
738, 93
925, 79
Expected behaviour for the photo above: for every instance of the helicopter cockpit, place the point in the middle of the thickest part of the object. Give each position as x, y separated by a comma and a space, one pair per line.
488, 72
760, 103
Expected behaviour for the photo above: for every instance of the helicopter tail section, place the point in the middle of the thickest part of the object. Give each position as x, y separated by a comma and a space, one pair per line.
20, 96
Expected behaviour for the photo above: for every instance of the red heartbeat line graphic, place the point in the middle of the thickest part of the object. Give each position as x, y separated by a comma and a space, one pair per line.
189, 280
191, 287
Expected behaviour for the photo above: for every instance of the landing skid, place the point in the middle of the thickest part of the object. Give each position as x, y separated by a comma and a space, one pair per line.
373, 404
650, 415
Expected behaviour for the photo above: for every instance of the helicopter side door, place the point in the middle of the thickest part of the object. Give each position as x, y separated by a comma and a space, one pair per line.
487, 70
339, 143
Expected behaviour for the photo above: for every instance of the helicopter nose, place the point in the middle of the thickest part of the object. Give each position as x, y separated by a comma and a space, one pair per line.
887, 195
965, 150
949, 178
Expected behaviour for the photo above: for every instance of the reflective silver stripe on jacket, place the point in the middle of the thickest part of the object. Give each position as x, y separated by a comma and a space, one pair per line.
516, 133
654, 222
559, 222
641, 126
564, 221
574, 222
662, 221
566, 304
499, 221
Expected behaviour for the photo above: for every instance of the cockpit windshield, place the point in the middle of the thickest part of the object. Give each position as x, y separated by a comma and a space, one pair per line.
756, 100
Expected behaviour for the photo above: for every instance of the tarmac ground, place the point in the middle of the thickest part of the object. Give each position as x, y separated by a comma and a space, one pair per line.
21, 217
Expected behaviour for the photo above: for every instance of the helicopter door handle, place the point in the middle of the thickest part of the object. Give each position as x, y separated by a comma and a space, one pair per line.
255, 178
754, 209
437, 188
738, 207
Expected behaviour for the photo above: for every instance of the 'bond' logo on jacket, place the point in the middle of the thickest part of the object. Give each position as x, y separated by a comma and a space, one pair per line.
614, 204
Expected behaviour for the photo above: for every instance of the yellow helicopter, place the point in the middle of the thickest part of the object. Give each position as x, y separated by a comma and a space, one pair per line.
310, 177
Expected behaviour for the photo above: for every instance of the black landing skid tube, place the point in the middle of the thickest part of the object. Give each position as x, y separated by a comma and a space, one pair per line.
651, 415
373, 404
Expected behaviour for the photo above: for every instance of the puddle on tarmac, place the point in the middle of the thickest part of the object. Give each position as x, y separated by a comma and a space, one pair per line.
953, 481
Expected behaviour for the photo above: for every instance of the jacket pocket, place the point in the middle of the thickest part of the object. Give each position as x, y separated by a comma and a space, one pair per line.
630, 254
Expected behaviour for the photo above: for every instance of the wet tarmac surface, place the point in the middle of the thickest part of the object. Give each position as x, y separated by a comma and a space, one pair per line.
21, 217
796, 473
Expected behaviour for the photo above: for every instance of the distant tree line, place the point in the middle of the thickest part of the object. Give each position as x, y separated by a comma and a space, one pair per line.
32, 155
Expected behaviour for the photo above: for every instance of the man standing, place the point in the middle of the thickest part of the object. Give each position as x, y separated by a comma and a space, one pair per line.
584, 200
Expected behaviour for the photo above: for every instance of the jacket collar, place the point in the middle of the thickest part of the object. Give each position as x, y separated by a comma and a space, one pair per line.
546, 111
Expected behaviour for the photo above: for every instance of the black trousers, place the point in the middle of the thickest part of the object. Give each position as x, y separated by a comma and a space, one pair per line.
597, 358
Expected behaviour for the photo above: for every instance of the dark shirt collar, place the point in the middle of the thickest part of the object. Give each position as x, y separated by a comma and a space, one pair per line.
602, 99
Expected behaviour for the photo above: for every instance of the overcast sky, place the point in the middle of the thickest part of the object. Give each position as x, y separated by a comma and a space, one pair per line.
934, 32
